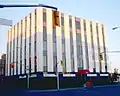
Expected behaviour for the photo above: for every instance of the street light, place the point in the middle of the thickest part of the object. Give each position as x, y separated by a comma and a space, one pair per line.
5, 22
57, 73
27, 5
55, 13
114, 28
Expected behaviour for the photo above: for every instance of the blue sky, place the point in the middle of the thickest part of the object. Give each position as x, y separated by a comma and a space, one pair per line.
105, 11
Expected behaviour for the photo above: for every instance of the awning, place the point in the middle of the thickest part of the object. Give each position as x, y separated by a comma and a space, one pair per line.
84, 71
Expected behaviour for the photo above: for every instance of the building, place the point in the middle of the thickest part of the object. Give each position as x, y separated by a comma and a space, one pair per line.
1, 67
2, 64
34, 43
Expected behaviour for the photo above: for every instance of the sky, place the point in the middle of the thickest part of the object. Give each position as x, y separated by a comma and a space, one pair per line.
104, 11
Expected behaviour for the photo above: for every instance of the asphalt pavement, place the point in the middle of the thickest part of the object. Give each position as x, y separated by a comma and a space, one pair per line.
107, 90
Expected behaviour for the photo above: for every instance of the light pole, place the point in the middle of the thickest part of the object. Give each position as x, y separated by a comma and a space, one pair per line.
5, 22
57, 73
114, 28
28, 76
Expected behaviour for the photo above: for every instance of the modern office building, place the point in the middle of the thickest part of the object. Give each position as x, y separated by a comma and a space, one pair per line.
34, 43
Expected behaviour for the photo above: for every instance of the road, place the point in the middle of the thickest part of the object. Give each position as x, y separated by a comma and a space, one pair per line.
108, 90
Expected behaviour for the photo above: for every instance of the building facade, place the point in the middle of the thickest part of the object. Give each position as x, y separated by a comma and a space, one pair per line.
2, 64
34, 43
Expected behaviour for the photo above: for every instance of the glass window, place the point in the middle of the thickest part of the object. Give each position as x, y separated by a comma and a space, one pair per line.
72, 50
63, 36
35, 35
35, 48
90, 27
44, 33
78, 61
71, 38
78, 51
72, 63
63, 48
55, 60
44, 53
78, 38
44, 16
45, 68
77, 24
54, 47
70, 22
84, 23
45, 60
44, 45
54, 35
62, 21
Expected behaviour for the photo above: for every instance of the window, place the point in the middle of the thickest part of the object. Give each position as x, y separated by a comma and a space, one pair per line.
44, 33
45, 68
44, 53
78, 39
30, 49
97, 30
84, 23
54, 62
72, 63
78, 50
54, 47
54, 36
77, 24
25, 65
71, 38
63, 37
70, 22
35, 48
62, 21
35, 60
44, 16
35, 41
90, 26
35, 21
35, 36
72, 50
45, 63
20, 66
63, 48
44, 45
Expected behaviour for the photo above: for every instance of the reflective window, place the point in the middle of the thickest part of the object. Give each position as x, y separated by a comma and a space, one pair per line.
84, 23
54, 47
44, 33
44, 45
44, 16
70, 23
45, 63
77, 23
62, 21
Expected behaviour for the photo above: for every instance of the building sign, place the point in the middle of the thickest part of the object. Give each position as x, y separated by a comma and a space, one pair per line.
32, 76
